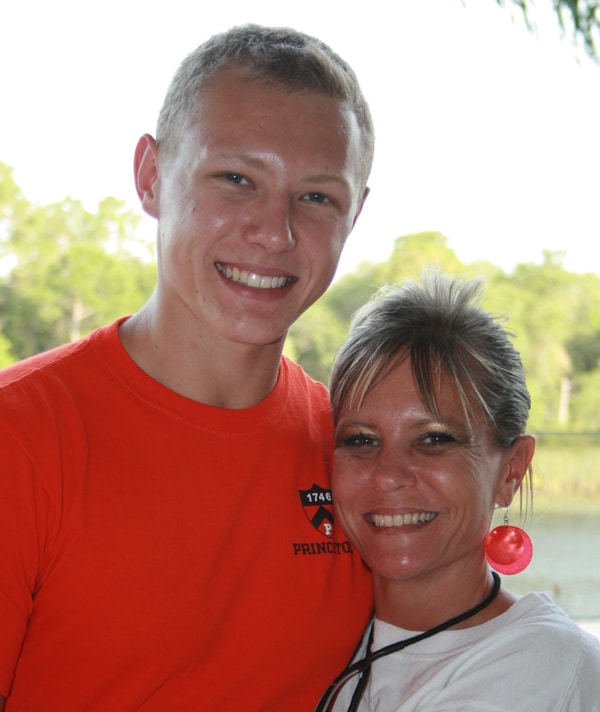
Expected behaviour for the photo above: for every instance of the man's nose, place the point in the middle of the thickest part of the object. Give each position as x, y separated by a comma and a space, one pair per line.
270, 224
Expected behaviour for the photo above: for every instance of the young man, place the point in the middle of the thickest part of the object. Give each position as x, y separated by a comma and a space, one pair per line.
166, 530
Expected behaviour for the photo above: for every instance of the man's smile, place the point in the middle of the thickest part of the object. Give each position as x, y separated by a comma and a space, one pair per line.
252, 279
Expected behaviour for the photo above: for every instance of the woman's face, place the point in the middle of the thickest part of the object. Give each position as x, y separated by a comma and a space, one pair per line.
415, 493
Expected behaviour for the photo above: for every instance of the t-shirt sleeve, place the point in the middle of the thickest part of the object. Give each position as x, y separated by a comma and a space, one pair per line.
543, 668
21, 537
583, 691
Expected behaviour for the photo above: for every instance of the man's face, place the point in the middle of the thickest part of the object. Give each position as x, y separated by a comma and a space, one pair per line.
254, 207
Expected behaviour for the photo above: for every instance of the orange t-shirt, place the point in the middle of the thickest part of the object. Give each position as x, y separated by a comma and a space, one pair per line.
160, 554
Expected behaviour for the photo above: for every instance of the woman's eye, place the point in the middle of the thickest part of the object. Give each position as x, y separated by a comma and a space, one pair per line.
438, 438
359, 440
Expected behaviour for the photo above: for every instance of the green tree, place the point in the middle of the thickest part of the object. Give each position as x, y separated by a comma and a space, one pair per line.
585, 400
6, 357
579, 19
66, 270
413, 252
542, 298
314, 339
316, 336
554, 316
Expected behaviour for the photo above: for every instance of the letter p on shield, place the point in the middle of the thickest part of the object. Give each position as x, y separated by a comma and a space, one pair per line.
318, 508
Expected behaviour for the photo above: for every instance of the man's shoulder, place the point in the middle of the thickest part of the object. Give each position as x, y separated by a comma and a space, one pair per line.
38, 363
53, 393
35, 388
59, 359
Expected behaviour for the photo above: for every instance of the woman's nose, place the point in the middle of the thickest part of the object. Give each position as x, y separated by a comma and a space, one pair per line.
391, 472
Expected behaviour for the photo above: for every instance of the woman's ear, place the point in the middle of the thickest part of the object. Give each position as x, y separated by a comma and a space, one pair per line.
517, 462
145, 166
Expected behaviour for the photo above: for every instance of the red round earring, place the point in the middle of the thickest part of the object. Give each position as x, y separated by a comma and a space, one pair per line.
508, 549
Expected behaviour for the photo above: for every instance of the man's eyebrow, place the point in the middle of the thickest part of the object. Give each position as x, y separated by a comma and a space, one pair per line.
247, 158
328, 178
255, 161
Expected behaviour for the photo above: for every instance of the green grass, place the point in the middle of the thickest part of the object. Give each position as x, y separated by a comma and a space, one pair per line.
566, 476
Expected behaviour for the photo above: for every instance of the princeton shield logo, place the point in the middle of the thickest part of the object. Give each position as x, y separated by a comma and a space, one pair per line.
318, 507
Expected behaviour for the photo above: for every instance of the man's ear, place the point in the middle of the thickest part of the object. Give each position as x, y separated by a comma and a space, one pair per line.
360, 205
145, 166
518, 459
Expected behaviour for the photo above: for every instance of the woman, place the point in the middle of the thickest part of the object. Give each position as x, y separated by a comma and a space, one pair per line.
431, 406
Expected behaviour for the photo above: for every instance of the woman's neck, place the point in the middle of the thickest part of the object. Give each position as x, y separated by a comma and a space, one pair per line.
424, 602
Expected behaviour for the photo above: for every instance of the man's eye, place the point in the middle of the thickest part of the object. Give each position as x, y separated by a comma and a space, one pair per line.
317, 198
236, 178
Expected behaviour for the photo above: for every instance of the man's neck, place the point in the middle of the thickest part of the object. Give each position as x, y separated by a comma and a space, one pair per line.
210, 371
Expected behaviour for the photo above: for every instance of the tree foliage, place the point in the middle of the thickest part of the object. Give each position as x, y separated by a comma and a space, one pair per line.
553, 314
579, 19
64, 270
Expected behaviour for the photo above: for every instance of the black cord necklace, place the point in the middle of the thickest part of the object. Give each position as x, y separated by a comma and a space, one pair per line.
363, 666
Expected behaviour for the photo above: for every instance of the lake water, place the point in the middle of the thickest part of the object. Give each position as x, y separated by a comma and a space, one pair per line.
565, 564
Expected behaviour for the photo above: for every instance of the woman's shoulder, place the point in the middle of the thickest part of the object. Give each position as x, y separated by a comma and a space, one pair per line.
548, 629
540, 611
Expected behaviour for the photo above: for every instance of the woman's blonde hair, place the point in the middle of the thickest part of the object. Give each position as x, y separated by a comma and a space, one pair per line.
439, 325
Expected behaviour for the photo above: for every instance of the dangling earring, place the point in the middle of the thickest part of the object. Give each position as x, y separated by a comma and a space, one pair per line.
508, 549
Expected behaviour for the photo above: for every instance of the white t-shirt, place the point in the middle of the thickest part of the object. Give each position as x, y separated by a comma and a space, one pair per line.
532, 658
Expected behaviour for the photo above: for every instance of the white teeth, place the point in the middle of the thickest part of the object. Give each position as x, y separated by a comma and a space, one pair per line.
251, 279
401, 520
